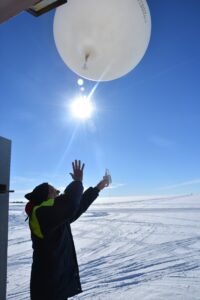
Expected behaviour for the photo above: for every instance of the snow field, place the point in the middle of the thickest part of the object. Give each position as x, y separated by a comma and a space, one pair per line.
133, 249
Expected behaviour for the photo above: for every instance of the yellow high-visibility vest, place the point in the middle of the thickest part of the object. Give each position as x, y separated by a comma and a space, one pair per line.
33, 220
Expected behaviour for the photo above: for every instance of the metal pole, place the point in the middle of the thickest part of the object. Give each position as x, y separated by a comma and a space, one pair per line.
5, 156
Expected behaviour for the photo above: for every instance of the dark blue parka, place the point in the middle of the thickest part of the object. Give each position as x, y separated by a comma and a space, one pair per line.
55, 273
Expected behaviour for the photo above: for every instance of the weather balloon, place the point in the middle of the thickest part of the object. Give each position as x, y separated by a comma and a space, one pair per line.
102, 40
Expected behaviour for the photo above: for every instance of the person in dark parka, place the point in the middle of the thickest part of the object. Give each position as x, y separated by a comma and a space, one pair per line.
55, 272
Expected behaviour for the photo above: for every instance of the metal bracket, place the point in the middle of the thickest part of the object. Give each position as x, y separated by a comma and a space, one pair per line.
4, 190
43, 6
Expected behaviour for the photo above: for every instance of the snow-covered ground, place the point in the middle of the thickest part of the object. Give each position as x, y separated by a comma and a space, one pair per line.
140, 249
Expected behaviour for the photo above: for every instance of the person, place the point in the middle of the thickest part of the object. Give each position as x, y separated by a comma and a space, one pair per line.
55, 272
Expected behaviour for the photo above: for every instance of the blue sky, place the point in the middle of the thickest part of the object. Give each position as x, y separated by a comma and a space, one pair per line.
146, 125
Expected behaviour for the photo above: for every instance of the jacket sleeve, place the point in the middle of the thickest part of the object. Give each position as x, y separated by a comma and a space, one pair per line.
86, 200
64, 207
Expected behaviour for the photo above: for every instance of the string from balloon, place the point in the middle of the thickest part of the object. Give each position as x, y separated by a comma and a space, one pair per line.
66, 150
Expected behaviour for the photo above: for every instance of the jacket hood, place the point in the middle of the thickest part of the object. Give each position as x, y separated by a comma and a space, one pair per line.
39, 193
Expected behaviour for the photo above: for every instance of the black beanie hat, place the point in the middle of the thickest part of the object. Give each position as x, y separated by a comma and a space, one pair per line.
39, 193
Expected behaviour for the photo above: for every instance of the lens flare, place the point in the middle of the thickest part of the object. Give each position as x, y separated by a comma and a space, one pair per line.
80, 82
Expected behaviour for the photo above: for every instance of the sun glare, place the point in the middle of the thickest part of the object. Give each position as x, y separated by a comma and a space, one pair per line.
82, 108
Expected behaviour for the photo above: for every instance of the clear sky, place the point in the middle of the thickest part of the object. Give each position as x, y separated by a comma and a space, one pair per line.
146, 125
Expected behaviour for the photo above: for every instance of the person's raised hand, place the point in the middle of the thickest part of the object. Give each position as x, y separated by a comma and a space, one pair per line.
102, 184
77, 170
105, 182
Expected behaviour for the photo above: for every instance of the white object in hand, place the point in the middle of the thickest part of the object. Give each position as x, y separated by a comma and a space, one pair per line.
107, 177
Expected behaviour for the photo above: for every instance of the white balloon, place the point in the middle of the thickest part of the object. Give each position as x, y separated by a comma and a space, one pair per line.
102, 39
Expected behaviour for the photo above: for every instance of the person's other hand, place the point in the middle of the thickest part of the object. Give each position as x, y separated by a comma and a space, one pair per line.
102, 184
77, 170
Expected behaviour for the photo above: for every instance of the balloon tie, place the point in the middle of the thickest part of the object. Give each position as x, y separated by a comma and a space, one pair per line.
85, 62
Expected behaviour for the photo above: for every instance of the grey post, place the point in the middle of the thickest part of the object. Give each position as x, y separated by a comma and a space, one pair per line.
5, 155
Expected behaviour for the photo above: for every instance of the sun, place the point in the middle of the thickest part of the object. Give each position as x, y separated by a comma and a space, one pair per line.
82, 108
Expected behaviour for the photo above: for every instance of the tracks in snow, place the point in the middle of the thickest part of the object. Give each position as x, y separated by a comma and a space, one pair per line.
123, 252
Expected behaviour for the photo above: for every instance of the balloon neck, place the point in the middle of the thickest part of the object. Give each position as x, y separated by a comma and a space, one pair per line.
87, 55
